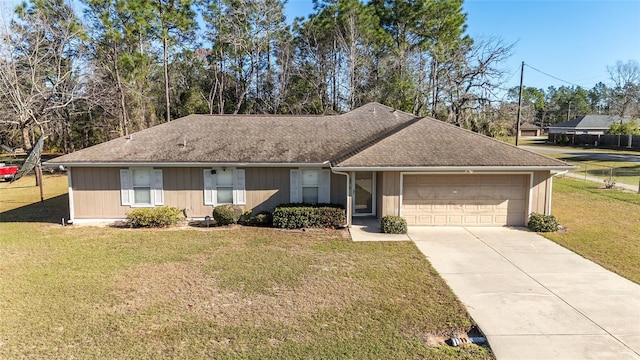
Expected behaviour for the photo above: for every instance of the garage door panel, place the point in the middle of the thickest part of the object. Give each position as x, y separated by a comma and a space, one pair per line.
469, 200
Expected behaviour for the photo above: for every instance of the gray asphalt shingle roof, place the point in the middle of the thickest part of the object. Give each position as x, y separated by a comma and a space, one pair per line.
592, 122
433, 143
372, 135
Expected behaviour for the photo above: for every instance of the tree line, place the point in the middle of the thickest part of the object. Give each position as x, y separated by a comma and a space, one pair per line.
112, 67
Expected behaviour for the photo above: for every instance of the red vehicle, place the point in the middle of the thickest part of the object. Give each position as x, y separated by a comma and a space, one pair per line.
7, 172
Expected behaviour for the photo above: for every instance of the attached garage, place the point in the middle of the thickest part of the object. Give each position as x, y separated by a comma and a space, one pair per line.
465, 199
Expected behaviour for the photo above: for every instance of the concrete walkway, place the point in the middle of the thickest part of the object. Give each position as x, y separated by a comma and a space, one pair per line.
532, 298
368, 229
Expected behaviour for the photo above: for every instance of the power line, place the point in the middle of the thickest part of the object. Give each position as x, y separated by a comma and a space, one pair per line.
551, 76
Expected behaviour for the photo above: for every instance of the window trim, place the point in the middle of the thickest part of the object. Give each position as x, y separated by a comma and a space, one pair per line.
316, 186
127, 189
210, 186
324, 185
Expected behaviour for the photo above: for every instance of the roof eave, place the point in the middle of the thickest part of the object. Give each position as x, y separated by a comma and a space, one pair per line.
182, 164
462, 169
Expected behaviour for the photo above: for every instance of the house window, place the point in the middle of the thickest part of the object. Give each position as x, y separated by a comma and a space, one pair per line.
224, 186
310, 186
140, 187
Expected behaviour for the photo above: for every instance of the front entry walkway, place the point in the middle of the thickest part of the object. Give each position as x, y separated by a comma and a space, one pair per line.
532, 298
368, 229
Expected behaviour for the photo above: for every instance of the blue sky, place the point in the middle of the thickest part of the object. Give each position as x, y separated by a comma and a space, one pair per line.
571, 40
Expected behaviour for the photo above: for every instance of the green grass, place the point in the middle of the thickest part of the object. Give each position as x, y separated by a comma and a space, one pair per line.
619, 171
241, 293
601, 225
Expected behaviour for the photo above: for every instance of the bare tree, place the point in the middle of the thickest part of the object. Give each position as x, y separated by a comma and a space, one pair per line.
38, 76
626, 85
472, 78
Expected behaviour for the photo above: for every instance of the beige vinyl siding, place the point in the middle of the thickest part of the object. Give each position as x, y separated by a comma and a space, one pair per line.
541, 192
390, 194
96, 191
266, 188
183, 188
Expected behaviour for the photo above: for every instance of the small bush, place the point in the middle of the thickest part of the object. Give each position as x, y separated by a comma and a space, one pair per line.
296, 216
543, 223
393, 225
609, 184
245, 218
227, 214
154, 217
263, 218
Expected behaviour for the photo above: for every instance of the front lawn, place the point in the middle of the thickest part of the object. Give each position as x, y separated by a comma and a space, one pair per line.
220, 293
619, 171
602, 225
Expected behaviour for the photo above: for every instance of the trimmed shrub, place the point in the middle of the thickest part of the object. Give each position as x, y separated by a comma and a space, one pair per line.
245, 218
296, 216
227, 214
154, 217
543, 223
263, 218
393, 224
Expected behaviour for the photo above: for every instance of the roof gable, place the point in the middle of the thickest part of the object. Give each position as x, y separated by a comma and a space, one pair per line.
433, 143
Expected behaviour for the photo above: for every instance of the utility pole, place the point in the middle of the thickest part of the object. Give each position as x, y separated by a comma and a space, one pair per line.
569, 111
519, 105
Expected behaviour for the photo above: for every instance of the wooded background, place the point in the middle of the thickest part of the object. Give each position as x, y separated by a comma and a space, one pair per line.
93, 70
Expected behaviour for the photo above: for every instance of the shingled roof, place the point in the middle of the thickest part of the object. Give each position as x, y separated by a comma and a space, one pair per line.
529, 126
433, 143
372, 135
599, 122
246, 138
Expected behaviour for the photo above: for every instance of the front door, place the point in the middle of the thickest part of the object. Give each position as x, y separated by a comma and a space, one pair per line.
364, 189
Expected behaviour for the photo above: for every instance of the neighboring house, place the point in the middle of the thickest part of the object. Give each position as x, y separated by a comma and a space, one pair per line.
588, 124
374, 160
528, 129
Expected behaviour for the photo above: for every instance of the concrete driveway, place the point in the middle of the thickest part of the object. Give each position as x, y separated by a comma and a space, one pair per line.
532, 298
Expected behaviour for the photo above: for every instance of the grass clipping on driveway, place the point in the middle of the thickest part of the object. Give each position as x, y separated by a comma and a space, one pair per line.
91, 292
602, 225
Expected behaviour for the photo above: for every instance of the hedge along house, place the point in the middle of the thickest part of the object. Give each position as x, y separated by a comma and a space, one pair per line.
374, 160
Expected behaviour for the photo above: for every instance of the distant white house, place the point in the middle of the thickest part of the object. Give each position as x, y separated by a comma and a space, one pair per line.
588, 124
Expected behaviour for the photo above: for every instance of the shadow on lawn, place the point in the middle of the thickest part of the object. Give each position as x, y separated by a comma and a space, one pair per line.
49, 211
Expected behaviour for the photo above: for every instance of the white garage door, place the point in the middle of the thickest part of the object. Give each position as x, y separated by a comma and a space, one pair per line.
469, 200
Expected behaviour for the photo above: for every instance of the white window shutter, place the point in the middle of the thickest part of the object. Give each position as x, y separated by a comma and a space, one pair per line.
324, 191
157, 186
214, 191
208, 187
126, 187
239, 194
294, 186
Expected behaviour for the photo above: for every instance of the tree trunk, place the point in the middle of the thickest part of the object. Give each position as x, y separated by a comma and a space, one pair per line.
165, 45
26, 138
434, 87
124, 123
